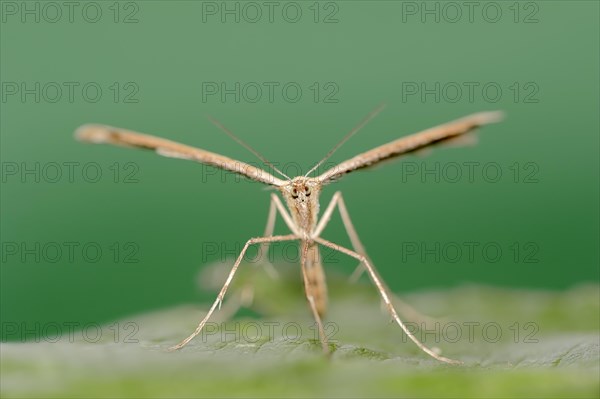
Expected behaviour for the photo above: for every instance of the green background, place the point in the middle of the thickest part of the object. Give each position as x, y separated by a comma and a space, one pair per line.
176, 208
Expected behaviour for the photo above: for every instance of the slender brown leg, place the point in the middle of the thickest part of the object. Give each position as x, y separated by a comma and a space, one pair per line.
405, 309
386, 298
338, 200
276, 206
219, 299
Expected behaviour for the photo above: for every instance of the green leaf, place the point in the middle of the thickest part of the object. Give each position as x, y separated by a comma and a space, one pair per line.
549, 347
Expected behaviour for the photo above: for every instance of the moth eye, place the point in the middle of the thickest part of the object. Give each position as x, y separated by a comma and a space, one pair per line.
294, 193
307, 191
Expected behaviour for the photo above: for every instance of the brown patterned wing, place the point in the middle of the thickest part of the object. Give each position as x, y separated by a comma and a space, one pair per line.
412, 143
102, 134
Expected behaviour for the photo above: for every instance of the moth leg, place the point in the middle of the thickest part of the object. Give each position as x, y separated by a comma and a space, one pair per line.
338, 200
219, 299
385, 296
275, 207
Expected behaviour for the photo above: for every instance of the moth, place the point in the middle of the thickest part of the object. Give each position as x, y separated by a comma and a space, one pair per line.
300, 206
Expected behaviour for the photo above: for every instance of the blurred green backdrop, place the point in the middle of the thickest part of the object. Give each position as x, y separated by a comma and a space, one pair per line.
161, 67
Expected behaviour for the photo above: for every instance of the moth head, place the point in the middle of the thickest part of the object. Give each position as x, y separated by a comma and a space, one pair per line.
301, 190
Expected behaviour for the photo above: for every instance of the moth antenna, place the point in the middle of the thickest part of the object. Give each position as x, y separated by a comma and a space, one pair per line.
245, 145
352, 132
